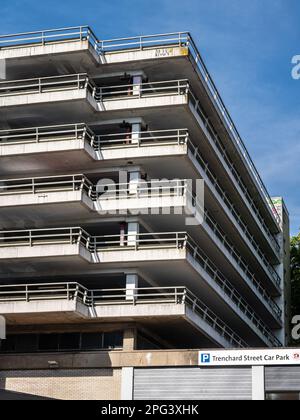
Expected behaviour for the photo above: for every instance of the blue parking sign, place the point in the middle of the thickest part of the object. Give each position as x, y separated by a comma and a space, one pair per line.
205, 358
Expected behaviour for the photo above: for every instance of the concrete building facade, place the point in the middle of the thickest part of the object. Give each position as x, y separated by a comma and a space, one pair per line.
133, 222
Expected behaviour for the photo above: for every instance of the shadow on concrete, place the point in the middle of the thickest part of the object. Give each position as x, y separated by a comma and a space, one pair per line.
18, 396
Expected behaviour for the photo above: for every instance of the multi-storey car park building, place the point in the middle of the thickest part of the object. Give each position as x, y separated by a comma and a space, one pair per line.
87, 290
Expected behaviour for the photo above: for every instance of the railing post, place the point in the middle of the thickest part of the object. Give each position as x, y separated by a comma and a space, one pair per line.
92, 298
85, 297
76, 292
194, 304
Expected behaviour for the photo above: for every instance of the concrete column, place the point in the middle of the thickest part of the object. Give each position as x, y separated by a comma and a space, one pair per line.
129, 339
127, 384
136, 129
132, 233
134, 179
258, 383
131, 285
2, 328
137, 82
123, 227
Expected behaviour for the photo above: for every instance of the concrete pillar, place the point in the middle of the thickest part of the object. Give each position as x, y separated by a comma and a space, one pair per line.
258, 383
123, 227
136, 129
132, 233
131, 284
127, 384
129, 339
134, 180
137, 82
2, 328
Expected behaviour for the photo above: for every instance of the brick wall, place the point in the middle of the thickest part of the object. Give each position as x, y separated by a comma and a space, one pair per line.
79, 384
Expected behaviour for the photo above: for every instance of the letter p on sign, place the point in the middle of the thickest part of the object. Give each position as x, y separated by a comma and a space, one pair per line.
2, 328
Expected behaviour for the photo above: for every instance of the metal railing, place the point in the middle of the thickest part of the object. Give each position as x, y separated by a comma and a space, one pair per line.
181, 137
45, 185
35, 237
74, 291
179, 240
46, 84
176, 87
206, 263
224, 196
138, 241
229, 124
140, 139
175, 240
135, 139
101, 297
66, 132
205, 166
231, 167
180, 39
100, 93
116, 191
142, 189
185, 39
231, 249
43, 291
154, 89
49, 36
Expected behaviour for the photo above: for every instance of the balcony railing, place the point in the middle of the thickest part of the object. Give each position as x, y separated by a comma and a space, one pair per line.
204, 165
53, 184
101, 297
140, 241
125, 140
175, 188
46, 84
185, 39
50, 36
37, 237
237, 257
140, 139
174, 240
45, 185
143, 139
120, 191
154, 89
175, 87
180, 39
231, 167
66, 132
224, 196
74, 291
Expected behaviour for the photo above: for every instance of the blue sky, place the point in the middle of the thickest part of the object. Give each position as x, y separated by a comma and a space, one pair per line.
247, 45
